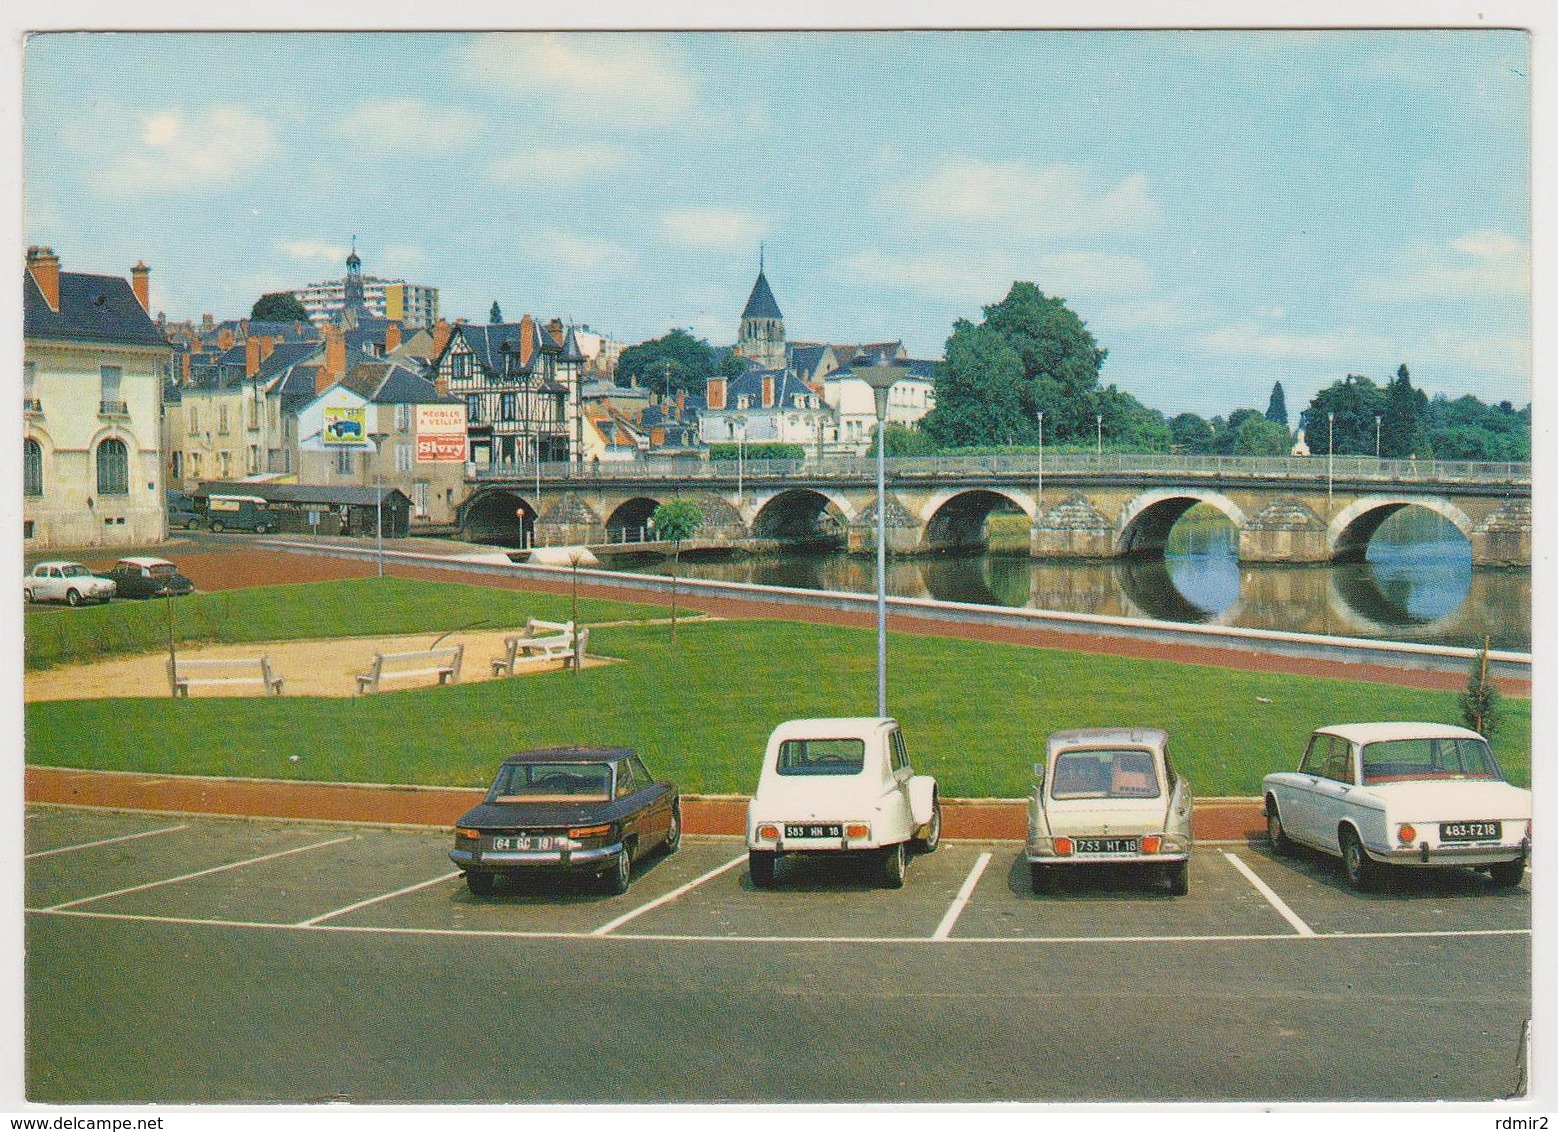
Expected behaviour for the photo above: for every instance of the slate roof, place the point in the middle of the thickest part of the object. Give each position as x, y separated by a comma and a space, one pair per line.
761, 303
93, 308
386, 383
787, 387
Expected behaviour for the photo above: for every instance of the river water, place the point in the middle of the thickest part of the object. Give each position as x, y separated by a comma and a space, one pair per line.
1417, 584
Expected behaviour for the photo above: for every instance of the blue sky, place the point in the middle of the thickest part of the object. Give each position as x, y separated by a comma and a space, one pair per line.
1223, 209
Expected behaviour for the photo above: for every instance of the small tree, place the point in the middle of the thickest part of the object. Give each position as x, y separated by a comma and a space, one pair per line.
278, 306
1479, 702
675, 521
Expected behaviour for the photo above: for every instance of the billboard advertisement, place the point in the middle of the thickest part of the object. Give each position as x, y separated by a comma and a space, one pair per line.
440, 434
345, 425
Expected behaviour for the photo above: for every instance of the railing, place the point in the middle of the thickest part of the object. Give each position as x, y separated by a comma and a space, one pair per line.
1067, 465
113, 409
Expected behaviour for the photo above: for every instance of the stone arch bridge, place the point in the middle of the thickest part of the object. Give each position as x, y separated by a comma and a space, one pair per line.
1284, 509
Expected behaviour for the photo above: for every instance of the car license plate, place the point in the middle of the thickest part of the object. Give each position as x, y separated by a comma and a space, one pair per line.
1108, 845
813, 829
525, 842
1470, 831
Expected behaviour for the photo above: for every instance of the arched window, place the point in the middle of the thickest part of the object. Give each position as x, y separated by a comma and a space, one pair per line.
113, 468
32, 467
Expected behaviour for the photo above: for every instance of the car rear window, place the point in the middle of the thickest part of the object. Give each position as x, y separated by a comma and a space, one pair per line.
822, 756
1104, 774
1407, 760
552, 782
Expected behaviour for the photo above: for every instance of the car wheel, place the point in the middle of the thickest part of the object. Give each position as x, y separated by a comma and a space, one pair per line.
192, 525
217, 526
1178, 875
932, 838
1042, 878
760, 863
620, 875
1508, 873
72, 597
893, 859
1361, 872
261, 528
480, 884
673, 836
1281, 844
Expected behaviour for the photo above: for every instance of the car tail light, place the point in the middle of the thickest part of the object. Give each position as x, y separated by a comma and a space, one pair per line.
1063, 847
590, 831
768, 833
471, 834
858, 831
1406, 834
1152, 843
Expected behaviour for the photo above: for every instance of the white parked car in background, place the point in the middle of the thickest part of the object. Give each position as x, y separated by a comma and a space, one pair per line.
1419, 795
1109, 796
831, 787
70, 582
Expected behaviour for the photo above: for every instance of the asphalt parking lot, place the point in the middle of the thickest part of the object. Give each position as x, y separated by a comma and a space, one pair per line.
191, 959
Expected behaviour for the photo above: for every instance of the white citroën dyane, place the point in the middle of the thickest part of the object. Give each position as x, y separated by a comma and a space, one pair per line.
1109, 796
835, 787
1417, 795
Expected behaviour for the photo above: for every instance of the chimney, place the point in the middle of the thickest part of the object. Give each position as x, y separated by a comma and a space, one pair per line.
681, 403
527, 339
392, 338
140, 280
251, 357
768, 391
185, 368
716, 393
224, 340
206, 323
44, 267
556, 329
333, 369
440, 336
267, 345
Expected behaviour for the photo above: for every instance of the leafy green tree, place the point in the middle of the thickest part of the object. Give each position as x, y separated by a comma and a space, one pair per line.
278, 306
767, 450
1258, 436
495, 315
1479, 703
1277, 407
675, 522
902, 441
676, 360
1225, 433
1354, 400
1128, 425
1191, 433
1405, 418
978, 391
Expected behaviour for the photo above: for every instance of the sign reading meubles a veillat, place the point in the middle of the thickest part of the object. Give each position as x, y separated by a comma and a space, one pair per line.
440, 434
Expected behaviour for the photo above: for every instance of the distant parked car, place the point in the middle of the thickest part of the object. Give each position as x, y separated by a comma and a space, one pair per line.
70, 582
1109, 796
148, 577
183, 516
1414, 795
239, 513
592, 810
836, 787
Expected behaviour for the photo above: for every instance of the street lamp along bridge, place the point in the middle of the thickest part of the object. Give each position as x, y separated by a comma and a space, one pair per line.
1079, 505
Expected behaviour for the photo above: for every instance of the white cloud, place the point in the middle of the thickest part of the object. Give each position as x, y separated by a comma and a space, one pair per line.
1014, 198
720, 229
561, 166
1093, 273
1249, 339
408, 125
174, 149
311, 251
1456, 350
573, 254
1486, 263
986, 278
631, 81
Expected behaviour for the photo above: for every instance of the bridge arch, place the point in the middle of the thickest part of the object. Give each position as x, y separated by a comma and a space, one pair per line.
799, 513
1147, 519
1347, 536
629, 521
955, 518
498, 517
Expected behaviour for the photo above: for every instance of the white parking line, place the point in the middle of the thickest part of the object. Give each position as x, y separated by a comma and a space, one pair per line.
608, 928
945, 929
105, 841
376, 900
1271, 897
201, 873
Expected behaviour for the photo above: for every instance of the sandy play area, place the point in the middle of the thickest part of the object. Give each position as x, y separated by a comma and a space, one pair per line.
310, 668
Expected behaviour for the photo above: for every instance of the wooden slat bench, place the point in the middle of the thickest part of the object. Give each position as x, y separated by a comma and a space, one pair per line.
442, 663
184, 672
550, 640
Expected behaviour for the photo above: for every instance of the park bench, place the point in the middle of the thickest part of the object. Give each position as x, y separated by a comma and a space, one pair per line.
186, 671
549, 640
442, 663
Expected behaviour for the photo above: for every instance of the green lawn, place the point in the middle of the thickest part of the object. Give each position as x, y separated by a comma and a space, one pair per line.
975, 714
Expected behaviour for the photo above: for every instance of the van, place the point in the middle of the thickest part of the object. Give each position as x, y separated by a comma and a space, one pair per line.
238, 512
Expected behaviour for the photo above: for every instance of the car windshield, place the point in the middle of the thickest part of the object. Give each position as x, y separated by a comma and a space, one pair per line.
161, 570
75, 571
822, 756
1416, 760
1104, 774
553, 782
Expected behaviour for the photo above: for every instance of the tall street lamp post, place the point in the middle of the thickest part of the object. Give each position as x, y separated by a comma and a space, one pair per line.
1041, 458
881, 377
1330, 456
741, 445
1376, 435
1100, 419
378, 439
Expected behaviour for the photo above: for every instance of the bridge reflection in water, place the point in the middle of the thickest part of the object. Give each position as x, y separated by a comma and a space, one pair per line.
1418, 585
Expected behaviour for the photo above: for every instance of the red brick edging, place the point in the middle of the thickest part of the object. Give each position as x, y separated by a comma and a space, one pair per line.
1216, 819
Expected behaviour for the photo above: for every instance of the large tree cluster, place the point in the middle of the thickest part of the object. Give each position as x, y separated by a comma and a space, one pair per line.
674, 361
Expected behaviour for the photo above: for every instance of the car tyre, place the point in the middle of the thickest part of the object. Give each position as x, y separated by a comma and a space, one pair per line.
480, 884
217, 526
1178, 876
760, 863
932, 838
893, 862
1281, 844
1042, 878
620, 876
1362, 873
1507, 874
673, 836
72, 597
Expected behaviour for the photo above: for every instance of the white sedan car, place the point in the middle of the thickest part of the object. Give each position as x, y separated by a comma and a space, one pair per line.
70, 582
831, 787
1109, 796
1420, 795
